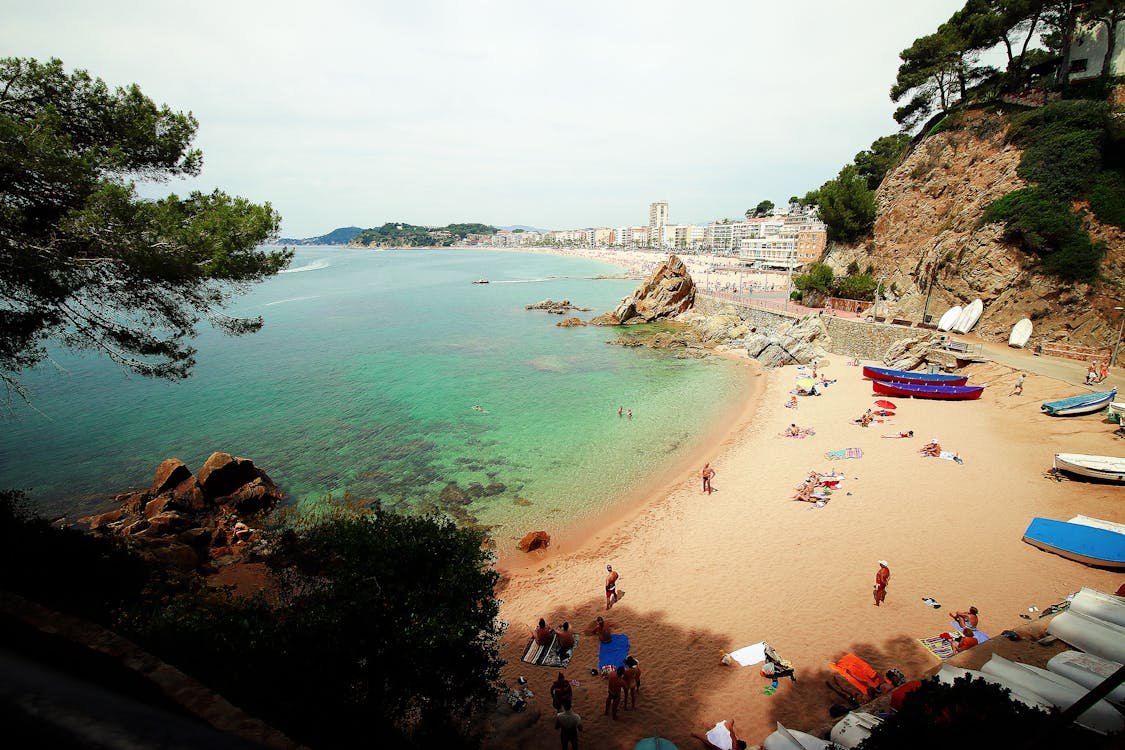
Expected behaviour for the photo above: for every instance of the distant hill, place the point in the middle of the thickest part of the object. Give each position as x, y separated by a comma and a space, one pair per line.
341, 236
401, 234
524, 227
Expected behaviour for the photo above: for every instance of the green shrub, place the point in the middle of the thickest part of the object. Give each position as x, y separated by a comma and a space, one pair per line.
818, 278
856, 286
1107, 198
1044, 225
1063, 163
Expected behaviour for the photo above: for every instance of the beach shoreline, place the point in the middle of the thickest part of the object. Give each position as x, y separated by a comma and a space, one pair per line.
706, 574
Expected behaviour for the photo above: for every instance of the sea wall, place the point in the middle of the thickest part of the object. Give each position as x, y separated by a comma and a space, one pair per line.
847, 336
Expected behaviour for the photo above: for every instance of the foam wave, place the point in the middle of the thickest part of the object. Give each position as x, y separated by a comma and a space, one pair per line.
526, 281
290, 299
316, 265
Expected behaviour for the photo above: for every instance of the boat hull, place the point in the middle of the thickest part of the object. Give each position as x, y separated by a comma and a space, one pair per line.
1092, 635
914, 378
1085, 544
1088, 671
1021, 332
1084, 403
969, 317
1106, 468
951, 315
1094, 603
943, 392
1101, 717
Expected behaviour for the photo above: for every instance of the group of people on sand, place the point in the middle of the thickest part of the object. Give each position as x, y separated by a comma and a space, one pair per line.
966, 621
544, 635
1097, 372
807, 491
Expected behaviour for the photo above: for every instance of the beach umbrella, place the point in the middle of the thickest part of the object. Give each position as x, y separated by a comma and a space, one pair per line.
885, 404
654, 743
805, 383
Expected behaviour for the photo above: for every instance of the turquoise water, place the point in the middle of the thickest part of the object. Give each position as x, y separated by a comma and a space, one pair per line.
363, 381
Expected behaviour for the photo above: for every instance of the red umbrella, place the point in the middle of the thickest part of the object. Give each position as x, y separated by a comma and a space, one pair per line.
885, 404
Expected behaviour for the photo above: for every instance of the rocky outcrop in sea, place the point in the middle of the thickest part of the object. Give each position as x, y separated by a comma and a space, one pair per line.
668, 292
189, 522
562, 307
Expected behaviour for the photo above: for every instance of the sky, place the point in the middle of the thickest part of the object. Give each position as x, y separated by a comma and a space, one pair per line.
557, 116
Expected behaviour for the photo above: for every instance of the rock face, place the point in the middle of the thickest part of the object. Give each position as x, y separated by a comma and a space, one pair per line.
562, 307
570, 322
800, 343
535, 540
665, 294
928, 240
186, 522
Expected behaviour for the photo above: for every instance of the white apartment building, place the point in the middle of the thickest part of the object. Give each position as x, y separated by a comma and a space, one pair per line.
631, 237
657, 219
603, 236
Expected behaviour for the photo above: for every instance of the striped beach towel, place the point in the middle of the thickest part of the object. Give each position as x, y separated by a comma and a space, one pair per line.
844, 453
547, 656
938, 646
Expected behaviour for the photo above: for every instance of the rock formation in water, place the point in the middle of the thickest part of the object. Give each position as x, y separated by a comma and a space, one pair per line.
562, 307
665, 294
189, 522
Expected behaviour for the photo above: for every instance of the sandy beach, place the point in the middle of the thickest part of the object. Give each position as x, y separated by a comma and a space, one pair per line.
702, 574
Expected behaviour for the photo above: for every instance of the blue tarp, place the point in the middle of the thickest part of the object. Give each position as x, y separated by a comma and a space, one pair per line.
614, 653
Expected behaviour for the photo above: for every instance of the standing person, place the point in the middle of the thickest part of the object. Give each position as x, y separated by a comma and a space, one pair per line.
632, 679
561, 692
610, 587
569, 725
613, 697
1091, 372
1017, 389
707, 474
882, 578
1104, 372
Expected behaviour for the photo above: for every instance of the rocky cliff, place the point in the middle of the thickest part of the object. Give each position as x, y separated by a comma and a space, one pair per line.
927, 232
665, 294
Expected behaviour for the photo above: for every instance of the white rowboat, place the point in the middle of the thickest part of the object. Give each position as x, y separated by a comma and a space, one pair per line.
951, 315
969, 317
1087, 670
1021, 332
1090, 634
1101, 717
1108, 468
1105, 607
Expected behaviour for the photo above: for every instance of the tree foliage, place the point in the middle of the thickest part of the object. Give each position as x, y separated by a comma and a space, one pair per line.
817, 278
846, 205
386, 629
973, 713
1042, 224
85, 261
874, 163
400, 234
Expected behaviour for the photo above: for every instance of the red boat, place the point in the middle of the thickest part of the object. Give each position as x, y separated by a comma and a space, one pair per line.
946, 392
916, 378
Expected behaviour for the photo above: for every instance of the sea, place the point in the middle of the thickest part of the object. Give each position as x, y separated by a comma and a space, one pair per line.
363, 382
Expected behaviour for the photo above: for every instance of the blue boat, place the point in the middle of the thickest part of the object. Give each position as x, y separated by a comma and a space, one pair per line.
1083, 403
1089, 545
915, 378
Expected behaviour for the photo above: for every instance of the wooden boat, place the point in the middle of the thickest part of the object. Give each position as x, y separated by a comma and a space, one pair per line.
1094, 603
1102, 717
951, 315
969, 317
1106, 468
1090, 634
945, 392
1021, 332
916, 378
1088, 670
1085, 544
1083, 403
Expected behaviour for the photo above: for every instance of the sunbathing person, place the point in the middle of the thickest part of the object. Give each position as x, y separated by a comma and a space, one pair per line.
907, 434
932, 448
805, 492
602, 629
735, 743
543, 634
793, 431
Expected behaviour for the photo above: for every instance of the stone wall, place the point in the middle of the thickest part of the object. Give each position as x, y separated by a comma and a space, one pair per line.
849, 337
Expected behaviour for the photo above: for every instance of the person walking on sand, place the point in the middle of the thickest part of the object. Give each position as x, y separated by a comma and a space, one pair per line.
1017, 389
882, 578
610, 587
1104, 372
615, 687
707, 474
569, 725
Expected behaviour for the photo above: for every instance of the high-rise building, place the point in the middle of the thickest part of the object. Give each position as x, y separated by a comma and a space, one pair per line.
657, 220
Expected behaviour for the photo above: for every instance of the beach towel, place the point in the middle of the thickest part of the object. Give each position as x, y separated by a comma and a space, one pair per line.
937, 646
748, 656
859, 674
949, 456
719, 736
547, 656
978, 634
844, 453
613, 654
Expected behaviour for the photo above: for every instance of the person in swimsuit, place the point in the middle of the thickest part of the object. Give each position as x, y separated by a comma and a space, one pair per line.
882, 578
707, 474
602, 629
616, 686
611, 587
632, 679
543, 634
967, 619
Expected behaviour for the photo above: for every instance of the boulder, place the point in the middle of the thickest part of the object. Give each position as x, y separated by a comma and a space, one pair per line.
570, 323
253, 497
907, 353
168, 523
535, 540
170, 473
222, 474
157, 505
188, 494
105, 518
665, 294
172, 555
605, 319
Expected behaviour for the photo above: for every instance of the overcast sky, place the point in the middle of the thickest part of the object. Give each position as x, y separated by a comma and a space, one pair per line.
557, 115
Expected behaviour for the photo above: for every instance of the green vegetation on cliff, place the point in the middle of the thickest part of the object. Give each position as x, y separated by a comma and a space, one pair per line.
399, 234
820, 278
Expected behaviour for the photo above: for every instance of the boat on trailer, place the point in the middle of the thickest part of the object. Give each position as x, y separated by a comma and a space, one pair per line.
943, 392
1083, 403
1106, 468
1088, 545
915, 378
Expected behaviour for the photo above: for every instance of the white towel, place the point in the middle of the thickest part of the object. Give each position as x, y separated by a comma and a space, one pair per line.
750, 655
719, 735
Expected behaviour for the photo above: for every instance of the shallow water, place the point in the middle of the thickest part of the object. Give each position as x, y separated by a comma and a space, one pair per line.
363, 381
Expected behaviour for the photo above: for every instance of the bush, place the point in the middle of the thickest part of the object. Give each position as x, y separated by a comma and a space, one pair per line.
1046, 226
1063, 163
818, 278
856, 286
1107, 198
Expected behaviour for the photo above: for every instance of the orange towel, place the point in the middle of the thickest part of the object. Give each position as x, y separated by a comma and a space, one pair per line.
858, 673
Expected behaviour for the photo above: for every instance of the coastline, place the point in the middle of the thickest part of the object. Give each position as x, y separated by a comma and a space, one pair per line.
704, 574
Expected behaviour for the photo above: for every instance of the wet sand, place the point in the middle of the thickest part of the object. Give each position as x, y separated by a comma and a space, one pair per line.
709, 573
